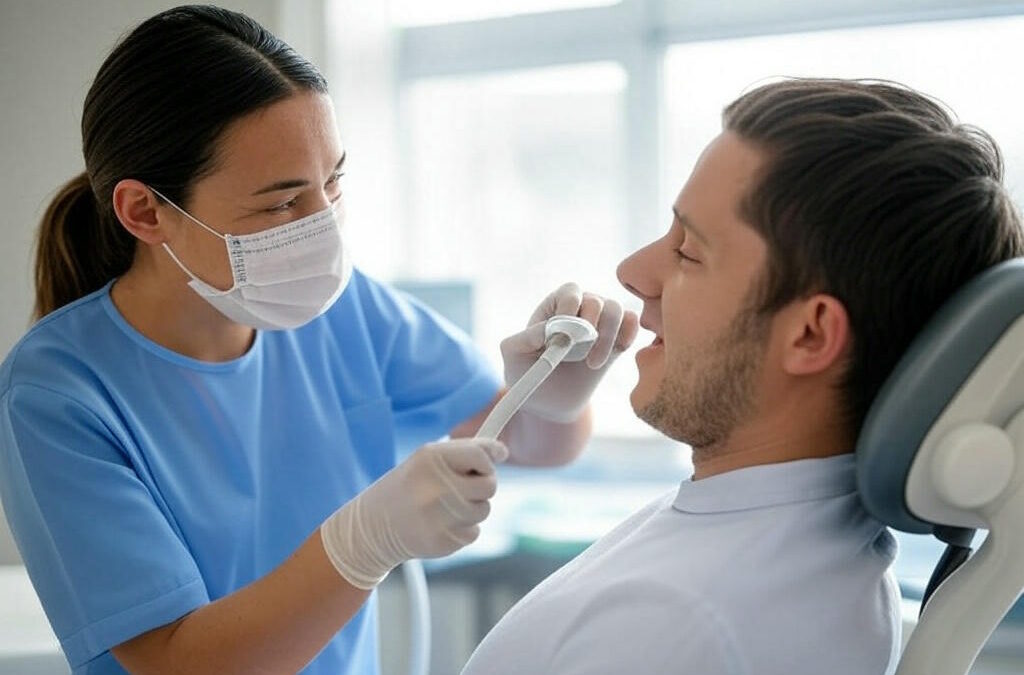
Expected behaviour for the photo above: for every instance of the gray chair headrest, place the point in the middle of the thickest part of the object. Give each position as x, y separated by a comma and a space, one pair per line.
935, 366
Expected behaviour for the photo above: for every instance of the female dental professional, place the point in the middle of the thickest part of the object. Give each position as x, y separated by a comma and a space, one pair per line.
198, 436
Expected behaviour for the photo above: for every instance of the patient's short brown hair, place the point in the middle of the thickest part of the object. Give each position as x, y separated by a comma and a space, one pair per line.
875, 194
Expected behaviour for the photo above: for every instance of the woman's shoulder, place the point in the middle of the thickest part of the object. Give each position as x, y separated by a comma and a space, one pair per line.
370, 302
53, 346
368, 292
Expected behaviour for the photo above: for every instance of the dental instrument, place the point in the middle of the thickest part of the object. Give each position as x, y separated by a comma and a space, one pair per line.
566, 338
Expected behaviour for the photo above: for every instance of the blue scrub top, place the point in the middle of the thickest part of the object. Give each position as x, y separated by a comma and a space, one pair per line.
141, 484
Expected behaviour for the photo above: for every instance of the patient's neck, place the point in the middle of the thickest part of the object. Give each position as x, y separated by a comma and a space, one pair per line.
799, 428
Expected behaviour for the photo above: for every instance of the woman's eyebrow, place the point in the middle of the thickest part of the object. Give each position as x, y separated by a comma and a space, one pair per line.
293, 183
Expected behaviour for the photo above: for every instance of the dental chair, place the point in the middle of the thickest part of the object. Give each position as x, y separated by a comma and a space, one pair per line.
941, 452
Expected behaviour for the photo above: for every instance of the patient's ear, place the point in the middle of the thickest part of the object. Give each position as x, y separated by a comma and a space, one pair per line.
817, 335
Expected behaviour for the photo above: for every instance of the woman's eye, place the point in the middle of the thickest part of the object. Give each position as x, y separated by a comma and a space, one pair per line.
335, 182
283, 206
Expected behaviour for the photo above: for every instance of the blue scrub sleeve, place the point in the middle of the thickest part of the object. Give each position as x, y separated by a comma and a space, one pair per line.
434, 374
104, 558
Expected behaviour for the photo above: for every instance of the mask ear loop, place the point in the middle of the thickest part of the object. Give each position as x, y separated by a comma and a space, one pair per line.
209, 289
189, 216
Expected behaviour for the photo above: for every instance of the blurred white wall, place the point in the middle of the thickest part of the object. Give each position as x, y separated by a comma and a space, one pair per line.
49, 52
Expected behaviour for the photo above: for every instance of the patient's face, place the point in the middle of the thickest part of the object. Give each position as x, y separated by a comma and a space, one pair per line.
699, 377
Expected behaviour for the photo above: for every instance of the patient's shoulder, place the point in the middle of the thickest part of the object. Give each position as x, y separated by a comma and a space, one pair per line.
623, 533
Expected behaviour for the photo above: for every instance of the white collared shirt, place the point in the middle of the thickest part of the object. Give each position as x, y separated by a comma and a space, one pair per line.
767, 570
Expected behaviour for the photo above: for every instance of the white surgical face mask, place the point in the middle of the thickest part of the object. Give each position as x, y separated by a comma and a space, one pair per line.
284, 276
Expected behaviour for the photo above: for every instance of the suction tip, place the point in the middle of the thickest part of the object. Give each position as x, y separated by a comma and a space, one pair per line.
581, 334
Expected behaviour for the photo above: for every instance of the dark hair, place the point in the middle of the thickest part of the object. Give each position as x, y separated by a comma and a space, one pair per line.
872, 193
154, 113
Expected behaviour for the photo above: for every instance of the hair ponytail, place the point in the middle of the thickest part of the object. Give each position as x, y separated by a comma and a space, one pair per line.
154, 113
77, 250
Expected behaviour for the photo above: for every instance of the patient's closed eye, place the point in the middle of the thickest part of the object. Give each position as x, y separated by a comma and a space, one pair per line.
683, 255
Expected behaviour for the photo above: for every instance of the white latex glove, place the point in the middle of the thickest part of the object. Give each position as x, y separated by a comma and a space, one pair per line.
426, 507
566, 392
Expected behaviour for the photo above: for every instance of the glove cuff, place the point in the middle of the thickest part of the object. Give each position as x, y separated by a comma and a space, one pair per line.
351, 552
559, 416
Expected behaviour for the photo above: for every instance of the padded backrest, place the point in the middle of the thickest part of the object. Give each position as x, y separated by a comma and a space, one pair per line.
923, 383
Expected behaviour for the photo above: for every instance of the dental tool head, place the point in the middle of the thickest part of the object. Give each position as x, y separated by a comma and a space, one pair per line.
581, 334
566, 338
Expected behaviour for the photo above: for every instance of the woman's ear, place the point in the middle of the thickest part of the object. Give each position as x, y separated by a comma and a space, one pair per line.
136, 207
818, 335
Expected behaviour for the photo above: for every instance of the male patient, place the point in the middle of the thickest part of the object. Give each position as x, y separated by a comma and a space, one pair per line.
814, 238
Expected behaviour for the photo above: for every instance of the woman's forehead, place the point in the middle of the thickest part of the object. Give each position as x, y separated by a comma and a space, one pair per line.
292, 138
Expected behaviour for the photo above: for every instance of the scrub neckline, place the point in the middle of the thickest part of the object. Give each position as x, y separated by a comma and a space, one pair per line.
169, 354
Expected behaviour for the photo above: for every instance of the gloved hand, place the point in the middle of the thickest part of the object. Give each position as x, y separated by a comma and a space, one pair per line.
426, 507
566, 392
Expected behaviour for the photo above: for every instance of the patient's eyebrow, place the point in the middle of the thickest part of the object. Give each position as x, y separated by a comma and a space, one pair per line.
688, 224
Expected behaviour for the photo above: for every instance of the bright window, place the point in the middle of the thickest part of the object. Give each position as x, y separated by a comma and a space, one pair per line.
418, 13
512, 154
516, 183
972, 66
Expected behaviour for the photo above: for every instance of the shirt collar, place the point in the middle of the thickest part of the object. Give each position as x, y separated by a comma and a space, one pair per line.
768, 485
